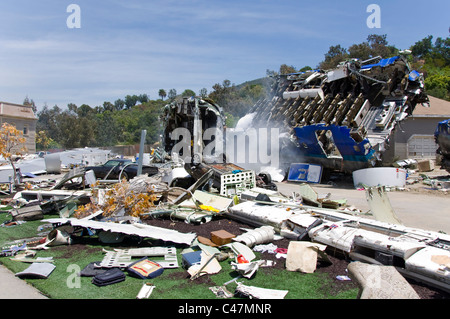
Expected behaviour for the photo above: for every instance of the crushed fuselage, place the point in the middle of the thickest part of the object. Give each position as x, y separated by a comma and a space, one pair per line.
342, 119
190, 125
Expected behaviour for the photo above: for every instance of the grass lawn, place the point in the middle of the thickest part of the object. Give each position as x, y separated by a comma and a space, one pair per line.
172, 284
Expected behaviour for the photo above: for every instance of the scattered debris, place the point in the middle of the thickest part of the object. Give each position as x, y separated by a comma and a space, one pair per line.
380, 205
380, 282
259, 293
338, 119
137, 229
302, 256
380, 176
314, 224
342, 119
146, 291
442, 138
109, 277
145, 269
40, 269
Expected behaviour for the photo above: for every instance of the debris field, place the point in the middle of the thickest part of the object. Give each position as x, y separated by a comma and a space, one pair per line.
194, 228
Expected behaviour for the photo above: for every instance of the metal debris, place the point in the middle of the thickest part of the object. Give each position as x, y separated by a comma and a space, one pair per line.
342, 119
442, 138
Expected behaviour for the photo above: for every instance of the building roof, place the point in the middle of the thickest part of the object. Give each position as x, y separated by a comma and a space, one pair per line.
17, 111
438, 108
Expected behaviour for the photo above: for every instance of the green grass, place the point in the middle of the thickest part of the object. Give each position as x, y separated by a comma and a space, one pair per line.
172, 284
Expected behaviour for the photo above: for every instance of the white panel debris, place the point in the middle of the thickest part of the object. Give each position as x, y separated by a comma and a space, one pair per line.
423, 255
141, 230
260, 293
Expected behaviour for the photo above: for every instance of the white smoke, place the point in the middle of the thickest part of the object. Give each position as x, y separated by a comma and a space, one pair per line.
245, 122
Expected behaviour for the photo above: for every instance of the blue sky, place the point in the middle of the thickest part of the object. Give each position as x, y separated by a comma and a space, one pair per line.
136, 47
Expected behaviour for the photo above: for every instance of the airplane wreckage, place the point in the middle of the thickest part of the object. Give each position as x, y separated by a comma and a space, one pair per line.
442, 139
106, 212
340, 119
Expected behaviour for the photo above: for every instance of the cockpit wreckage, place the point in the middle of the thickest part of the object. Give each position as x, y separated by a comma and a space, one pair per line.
343, 118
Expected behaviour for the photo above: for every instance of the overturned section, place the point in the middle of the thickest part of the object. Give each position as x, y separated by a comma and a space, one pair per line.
342, 118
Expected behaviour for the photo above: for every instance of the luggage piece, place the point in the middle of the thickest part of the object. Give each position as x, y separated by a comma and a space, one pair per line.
145, 268
192, 258
112, 276
92, 269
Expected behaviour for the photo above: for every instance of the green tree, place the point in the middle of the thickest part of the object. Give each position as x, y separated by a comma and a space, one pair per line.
143, 98
423, 47
172, 94
203, 92
361, 51
84, 111
48, 122
130, 101
305, 68
438, 85
31, 103
380, 47
334, 55
433, 60
188, 93
107, 130
287, 69
442, 49
236, 100
12, 143
43, 142
162, 93
119, 104
108, 106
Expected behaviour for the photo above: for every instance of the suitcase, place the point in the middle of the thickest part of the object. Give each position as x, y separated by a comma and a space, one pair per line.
111, 276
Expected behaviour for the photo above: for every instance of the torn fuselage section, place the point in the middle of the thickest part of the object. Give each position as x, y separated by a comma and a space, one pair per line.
343, 118
190, 127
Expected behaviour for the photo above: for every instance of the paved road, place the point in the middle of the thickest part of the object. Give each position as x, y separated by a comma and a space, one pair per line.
12, 287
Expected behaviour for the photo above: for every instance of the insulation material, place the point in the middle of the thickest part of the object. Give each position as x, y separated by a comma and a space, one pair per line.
302, 256
257, 236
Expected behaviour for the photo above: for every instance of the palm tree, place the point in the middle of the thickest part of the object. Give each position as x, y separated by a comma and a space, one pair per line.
162, 93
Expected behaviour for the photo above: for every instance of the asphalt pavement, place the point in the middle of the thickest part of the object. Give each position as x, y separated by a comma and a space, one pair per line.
12, 287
